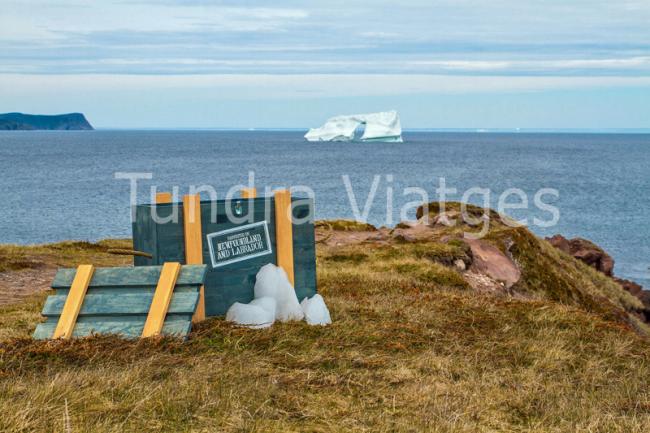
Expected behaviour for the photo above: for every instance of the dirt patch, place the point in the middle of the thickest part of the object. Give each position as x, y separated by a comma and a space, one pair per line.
335, 238
18, 285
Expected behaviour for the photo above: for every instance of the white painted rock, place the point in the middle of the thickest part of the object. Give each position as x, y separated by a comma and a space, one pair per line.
316, 312
288, 305
260, 314
271, 281
266, 282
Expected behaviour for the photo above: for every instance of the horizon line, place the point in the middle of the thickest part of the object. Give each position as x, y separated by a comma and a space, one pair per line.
425, 129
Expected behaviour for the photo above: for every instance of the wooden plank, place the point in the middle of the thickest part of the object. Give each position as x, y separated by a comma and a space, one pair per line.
144, 236
129, 276
304, 255
161, 299
284, 232
193, 243
117, 303
125, 326
131, 290
248, 193
68, 318
192, 229
163, 197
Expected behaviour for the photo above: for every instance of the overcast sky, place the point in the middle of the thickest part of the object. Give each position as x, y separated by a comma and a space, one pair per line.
440, 63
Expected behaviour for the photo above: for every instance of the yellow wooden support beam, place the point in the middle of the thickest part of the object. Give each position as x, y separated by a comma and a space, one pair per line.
194, 243
72, 306
161, 299
248, 193
163, 197
284, 232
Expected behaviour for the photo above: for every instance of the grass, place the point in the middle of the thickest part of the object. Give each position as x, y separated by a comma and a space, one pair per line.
63, 254
411, 348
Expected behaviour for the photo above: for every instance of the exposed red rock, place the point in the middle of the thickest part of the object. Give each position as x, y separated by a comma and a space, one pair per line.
560, 242
489, 260
632, 287
585, 251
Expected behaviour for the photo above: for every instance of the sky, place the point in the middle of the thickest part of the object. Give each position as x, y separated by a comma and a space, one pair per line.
292, 64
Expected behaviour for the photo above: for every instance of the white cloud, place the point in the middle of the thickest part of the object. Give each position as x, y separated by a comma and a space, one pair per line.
579, 37
53, 21
639, 65
259, 87
379, 35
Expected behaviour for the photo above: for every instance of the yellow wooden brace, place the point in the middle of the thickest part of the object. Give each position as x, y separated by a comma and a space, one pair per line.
163, 197
194, 244
72, 306
284, 232
248, 193
161, 299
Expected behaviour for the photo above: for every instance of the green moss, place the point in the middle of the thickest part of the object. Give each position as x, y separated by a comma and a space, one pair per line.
474, 211
445, 254
442, 276
345, 225
438, 252
352, 257
407, 268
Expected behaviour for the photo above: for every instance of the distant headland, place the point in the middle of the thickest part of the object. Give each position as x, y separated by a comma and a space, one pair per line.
20, 121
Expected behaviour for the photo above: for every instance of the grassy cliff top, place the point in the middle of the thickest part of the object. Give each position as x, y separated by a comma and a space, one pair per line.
413, 347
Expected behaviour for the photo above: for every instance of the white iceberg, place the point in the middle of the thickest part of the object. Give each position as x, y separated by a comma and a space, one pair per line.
383, 126
316, 312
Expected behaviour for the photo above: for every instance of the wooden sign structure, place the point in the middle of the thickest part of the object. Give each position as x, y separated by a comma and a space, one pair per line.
129, 301
233, 251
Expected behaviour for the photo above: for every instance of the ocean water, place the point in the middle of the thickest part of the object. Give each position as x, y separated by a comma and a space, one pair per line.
62, 185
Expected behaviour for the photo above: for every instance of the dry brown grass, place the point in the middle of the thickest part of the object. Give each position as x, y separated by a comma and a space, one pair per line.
409, 350
64, 254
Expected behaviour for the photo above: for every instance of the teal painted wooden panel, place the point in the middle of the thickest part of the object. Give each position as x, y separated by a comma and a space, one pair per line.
130, 276
125, 326
119, 291
118, 300
123, 304
146, 224
234, 282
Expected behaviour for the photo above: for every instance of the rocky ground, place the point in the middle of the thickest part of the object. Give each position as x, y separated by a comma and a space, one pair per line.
507, 260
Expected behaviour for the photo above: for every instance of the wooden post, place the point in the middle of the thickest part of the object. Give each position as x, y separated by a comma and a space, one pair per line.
284, 232
163, 197
194, 243
161, 299
72, 306
248, 193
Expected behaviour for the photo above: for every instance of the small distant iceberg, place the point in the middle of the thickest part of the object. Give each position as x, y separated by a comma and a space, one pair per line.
383, 126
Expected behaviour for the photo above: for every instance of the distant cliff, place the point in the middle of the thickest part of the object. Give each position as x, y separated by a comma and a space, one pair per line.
20, 121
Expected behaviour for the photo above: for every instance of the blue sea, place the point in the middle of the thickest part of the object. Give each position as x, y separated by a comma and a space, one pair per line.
62, 185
